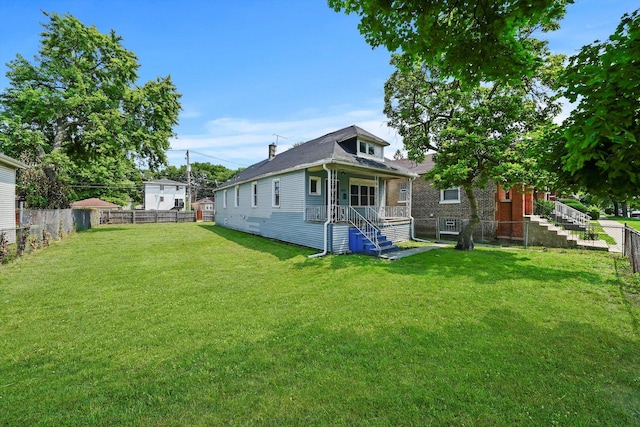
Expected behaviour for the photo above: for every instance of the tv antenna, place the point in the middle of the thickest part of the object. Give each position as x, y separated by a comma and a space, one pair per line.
279, 136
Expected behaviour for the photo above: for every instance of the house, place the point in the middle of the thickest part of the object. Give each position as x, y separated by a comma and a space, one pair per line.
328, 193
8, 167
94, 203
164, 195
438, 213
206, 204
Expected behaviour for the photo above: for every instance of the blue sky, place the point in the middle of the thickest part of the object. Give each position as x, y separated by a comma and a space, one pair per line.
249, 69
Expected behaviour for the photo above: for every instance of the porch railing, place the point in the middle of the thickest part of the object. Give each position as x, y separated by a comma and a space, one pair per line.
340, 213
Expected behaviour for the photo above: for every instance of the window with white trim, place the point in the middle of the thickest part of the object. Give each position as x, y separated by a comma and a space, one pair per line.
402, 193
237, 196
450, 195
254, 194
314, 185
369, 149
276, 193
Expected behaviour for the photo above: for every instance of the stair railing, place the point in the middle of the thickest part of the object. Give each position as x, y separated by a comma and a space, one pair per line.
367, 228
571, 214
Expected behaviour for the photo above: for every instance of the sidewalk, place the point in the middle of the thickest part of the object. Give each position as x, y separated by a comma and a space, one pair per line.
393, 256
616, 231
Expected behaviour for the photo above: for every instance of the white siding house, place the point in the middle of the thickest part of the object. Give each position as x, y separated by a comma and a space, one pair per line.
327, 193
164, 195
8, 168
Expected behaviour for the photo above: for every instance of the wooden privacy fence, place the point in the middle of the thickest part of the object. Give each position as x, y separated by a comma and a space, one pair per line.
146, 217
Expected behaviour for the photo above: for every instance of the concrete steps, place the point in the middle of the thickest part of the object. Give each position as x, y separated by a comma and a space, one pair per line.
544, 233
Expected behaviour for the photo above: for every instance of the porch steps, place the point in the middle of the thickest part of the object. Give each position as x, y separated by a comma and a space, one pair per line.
359, 243
553, 236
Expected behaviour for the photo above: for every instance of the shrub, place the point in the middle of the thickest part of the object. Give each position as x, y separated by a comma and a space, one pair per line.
544, 208
594, 213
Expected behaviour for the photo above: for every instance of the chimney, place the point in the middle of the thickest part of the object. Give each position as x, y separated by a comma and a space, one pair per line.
272, 151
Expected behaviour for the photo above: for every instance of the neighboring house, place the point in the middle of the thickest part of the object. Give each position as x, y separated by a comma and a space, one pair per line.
164, 195
94, 203
328, 193
8, 167
206, 204
442, 212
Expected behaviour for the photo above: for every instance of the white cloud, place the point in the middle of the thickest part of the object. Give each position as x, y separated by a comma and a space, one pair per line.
236, 141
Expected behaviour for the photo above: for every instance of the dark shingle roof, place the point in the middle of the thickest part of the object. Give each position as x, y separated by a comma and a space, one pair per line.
325, 149
420, 168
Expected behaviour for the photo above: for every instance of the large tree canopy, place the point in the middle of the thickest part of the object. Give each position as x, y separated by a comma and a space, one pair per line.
473, 41
486, 133
597, 145
77, 113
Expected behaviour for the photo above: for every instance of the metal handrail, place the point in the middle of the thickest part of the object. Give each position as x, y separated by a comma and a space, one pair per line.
367, 228
571, 214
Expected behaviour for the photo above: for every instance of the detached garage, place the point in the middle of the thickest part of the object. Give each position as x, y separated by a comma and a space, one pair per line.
8, 167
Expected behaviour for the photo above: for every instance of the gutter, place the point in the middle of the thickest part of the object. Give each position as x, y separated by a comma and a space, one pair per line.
326, 223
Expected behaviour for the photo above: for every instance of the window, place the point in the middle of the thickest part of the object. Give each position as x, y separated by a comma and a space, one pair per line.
314, 185
450, 195
162, 198
177, 188
402, 193
369, 149
224, 199
178, 203
254, 194
276, 193
362, 194
237, 196
161, 187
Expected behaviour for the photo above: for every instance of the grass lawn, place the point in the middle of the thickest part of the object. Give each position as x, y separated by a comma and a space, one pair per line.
192, 324
631, 222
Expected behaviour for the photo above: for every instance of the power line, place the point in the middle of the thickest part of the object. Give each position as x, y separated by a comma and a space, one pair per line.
207, 155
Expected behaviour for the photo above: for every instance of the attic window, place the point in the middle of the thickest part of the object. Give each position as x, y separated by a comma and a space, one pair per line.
369, 149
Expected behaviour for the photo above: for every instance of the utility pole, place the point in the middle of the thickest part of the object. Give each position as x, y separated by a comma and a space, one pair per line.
188, 183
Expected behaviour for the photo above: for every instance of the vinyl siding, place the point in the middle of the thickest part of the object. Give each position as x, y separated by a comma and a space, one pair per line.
340, 238
285, 223
399, 232
7, 202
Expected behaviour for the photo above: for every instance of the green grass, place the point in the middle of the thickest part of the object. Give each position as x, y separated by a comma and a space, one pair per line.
631, 222
190, 324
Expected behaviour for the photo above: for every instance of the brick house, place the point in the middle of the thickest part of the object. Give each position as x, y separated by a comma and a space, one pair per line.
438, 213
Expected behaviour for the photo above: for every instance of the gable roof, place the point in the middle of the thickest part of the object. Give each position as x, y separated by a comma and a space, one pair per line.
420, 168
93, 202
325, 149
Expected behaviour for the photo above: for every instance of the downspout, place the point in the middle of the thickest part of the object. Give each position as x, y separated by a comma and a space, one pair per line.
413, 232
326, 223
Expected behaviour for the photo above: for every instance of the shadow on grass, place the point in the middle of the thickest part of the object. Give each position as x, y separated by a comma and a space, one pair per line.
280, 250
103, 229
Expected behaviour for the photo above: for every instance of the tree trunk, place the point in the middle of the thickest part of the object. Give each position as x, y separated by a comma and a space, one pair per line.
616, 212
625, 209
465, 238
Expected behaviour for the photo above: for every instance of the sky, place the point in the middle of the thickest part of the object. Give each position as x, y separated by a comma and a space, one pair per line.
256, 72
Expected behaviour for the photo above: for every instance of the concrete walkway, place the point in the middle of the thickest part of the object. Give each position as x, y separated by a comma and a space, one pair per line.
393, 256
616, 231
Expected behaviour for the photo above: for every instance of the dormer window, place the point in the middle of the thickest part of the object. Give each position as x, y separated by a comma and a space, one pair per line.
368, 149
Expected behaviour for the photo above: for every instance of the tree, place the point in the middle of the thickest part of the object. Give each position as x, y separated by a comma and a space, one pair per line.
77, 114
596, 146
472, 41
486, 133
